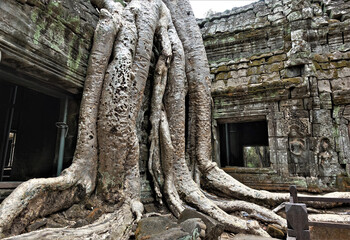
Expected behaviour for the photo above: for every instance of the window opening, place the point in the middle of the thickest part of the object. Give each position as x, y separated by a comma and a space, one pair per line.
244, 144
28, 133
256, 156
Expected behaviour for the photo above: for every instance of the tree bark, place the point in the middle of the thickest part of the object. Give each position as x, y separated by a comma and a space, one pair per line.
107, 153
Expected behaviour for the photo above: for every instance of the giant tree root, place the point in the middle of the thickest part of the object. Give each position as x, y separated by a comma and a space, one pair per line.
116, 225
181, 69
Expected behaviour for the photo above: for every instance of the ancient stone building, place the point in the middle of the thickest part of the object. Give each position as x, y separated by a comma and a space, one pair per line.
280, 83
44, 49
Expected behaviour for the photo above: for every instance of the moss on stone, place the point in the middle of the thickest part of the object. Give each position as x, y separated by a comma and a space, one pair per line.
264, 55
320, 58
275, 67
223, 68
296, 80
317, 66
277, 58
221, 76
340, 64
251, 71
257, 62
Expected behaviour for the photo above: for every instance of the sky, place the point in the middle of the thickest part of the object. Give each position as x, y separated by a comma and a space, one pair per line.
200, 7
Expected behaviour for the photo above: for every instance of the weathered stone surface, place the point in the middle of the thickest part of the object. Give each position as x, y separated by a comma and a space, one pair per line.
152, 226
305, 71
213, 228
50, 42
274, 231
165, 228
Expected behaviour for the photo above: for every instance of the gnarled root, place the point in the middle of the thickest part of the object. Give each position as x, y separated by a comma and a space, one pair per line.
255, 211
114, 225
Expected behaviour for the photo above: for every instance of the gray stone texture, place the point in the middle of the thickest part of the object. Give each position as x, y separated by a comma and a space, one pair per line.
296, 55
48, 40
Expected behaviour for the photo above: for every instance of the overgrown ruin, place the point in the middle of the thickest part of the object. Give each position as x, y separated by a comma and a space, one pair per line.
279, 82
285, 63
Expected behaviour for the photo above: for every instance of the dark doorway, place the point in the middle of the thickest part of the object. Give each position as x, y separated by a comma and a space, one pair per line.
28, 133
239, 139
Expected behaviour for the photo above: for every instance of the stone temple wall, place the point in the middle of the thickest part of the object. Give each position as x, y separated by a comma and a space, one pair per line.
47, 40
286, 62
45, 46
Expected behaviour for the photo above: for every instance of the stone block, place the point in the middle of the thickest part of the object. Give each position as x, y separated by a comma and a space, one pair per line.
242, 73
277, 58
346, 112
318, 21
300, 91
326, 101
257, 62
322, 130
194, 226
341, 97
335, 56
282, 143
313, 143
152, 227
317, 10
275, 17
282, 128
272, 77
275, 115
242, 65
308, 103
339, 64
324, 86
326, 74
344, 72
282, 162
299, 113
237, 82
275, 231
320, 58
294, 16
252, 71
322, 116
291, 104
275, 67
294, 71
286, 10
214, 228
273, 158
307, 13
316, 104
219, 85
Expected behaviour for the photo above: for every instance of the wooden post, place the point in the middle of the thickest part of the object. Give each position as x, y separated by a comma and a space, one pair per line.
297, 219
293, 194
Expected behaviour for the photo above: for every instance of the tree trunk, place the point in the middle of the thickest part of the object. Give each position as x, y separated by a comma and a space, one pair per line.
107, 152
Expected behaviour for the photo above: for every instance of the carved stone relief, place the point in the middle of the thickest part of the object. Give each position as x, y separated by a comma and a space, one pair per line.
298, 163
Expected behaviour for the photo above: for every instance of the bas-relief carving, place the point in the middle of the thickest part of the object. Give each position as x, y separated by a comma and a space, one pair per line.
327, 159
324, 157
298, 163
